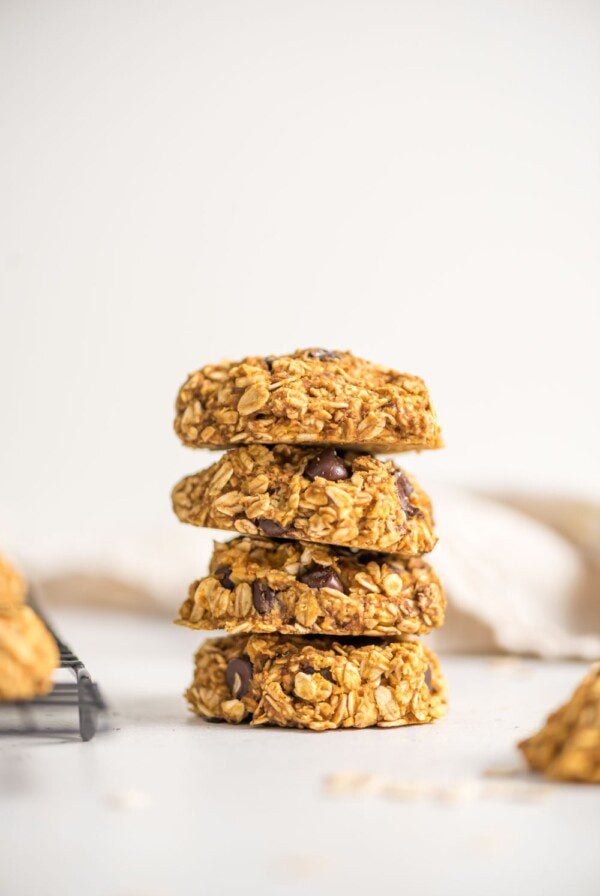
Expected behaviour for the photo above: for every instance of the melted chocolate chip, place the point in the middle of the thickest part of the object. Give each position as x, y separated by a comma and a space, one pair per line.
329, 465
405, 489
271, 528
428, 677
222, 573
321, 354
308, 670
403, 484
263, 597
322, 577
238, 676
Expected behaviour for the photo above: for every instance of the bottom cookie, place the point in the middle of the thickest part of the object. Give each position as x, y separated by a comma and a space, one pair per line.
28, 655
317, 683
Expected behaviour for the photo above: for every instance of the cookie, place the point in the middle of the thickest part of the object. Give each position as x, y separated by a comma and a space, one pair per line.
316, 683
28, 655
294, 587
314, 494
568, 746
312, 396
12, 586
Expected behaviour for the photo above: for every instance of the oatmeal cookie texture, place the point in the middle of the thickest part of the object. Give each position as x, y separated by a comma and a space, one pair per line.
319, 495
294, 587
316, 683
568, 746
28, 655
313, 396
12, 586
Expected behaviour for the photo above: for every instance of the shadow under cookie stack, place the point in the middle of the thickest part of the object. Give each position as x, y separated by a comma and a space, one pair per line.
324, 588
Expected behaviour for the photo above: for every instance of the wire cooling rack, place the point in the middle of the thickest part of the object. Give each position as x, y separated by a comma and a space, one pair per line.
74, 705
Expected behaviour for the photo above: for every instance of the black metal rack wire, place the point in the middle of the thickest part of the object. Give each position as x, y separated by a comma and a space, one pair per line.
72, 706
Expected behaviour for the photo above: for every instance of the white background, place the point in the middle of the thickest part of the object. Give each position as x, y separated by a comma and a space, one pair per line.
183, 181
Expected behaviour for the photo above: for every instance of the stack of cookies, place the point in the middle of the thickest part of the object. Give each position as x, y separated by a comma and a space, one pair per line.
324, 587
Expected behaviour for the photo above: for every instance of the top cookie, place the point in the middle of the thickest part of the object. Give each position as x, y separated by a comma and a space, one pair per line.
312, 396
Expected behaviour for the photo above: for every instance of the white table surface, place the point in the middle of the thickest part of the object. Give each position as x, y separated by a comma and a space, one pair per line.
165, 805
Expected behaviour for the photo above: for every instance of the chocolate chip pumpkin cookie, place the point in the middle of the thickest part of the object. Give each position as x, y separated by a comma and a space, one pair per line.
28, 655
313, 396
568, 746
314, 494
316, 683
295, 587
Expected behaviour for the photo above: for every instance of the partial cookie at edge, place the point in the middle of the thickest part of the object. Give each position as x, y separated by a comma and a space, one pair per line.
12, 586
28, 655
568, 746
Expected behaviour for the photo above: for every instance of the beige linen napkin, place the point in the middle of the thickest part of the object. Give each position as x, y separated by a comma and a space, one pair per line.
522, 576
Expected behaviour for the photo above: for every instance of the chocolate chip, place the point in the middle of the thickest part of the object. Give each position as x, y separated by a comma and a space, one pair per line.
238, 677
269, 361
308, 670
263, 597
403, 484
428, 677
321, 354
322, 577
270, 528
329, 465
222, 573
405, 489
